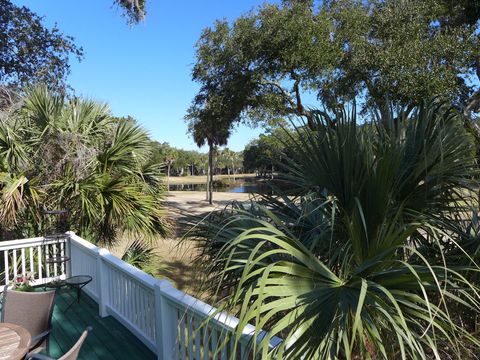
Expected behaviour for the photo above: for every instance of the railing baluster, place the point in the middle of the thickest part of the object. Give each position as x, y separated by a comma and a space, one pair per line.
214, 343
39, 256
123, 286
128, 290
23, 260
30, 250
141, 312
182, 334
117, 291
151, 319
47, 266
137, 315
189, 319
111, 300
55, 266
7, 269
15, 273
197, 338
63, 264
206, 342
223, 354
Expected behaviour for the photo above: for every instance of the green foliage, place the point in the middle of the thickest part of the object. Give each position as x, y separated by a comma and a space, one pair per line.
181, 161
142, 256
268, 151
74, 155
134, 10
30, 52
229, 160
374, 52
399, 51
362, 258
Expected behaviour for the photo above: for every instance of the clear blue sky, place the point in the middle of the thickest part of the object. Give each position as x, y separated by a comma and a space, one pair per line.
145, 70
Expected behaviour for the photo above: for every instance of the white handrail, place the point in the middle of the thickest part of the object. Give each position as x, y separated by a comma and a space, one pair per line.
161, 316
23, 256
24, 243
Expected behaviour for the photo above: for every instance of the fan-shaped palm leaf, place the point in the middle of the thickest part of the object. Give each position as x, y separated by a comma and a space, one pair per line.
357, 263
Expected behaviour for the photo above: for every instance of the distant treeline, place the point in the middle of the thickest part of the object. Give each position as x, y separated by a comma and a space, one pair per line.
262, 156
180, 162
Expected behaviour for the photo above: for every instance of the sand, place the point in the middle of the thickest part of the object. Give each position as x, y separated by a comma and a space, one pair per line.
186, 203
177, 256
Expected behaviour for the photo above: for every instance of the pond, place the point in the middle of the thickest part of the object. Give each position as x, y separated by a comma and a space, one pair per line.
238, 186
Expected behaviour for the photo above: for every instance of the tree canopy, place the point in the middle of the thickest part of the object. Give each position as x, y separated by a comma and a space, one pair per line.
57, 153
30, 52
261, 66
134, 10
361, 254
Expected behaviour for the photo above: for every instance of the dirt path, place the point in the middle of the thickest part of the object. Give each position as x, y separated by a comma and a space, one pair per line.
177, 256
187, 203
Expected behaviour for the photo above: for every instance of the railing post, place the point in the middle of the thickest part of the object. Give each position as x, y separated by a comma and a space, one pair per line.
165, 323
102, 284
68, 252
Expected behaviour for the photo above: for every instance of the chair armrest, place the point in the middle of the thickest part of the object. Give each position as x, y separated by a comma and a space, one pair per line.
37, 356
37, 338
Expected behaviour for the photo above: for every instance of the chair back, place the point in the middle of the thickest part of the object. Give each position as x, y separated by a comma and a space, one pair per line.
72, 354
32, 310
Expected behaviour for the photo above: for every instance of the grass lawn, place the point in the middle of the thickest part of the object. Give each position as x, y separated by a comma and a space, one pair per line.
176, 256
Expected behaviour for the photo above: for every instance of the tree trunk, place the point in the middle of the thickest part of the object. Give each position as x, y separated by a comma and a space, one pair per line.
210, 175
233, 170
207, 187
168, 176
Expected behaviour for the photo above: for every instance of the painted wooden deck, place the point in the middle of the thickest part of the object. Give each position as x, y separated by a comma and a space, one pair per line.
108, 339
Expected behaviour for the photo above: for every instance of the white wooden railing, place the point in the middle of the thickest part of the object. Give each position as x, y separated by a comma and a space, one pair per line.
19, 257
163, 318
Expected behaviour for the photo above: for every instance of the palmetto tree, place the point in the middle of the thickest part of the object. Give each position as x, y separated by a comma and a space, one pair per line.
83, 159
359, 260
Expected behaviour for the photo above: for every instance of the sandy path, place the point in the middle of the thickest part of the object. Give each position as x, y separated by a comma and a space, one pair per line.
186, 203
177, 256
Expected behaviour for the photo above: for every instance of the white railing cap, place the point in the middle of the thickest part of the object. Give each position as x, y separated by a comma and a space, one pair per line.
19, 243
119, 264
179, 299
221, 319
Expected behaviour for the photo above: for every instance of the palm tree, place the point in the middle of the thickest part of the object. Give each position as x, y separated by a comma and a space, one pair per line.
83, 159
207, 129
360, 258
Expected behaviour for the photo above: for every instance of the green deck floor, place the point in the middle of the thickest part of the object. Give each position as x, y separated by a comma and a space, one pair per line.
108, 339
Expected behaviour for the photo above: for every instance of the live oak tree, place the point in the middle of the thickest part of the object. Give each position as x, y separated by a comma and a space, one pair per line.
134, 10
376, 52
30, 52
401, 52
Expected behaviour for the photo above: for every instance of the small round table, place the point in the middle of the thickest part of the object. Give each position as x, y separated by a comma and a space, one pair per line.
14, 341
78, 282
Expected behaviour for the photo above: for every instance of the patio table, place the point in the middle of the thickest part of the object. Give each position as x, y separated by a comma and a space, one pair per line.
14, 341
78, 282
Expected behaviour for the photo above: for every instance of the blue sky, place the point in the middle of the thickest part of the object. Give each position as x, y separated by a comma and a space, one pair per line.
145, 70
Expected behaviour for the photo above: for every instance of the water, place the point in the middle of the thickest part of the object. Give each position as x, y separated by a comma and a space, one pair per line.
238, 186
